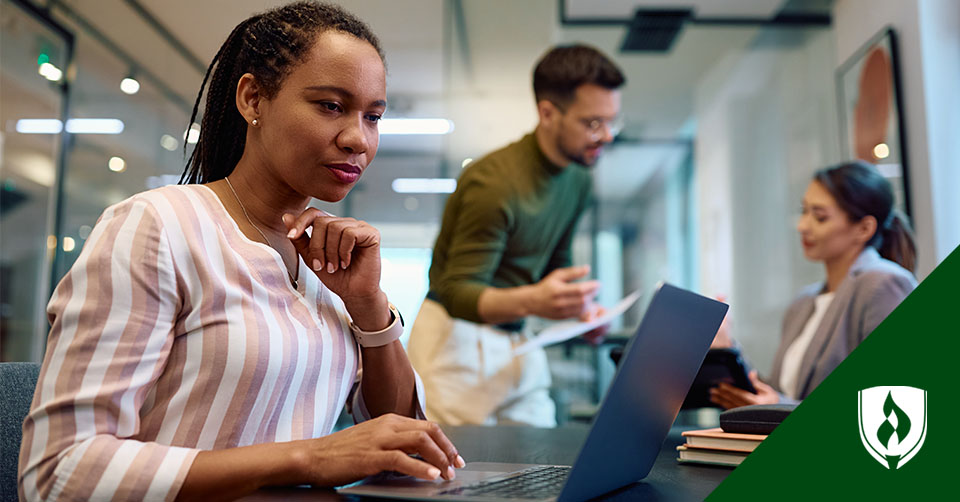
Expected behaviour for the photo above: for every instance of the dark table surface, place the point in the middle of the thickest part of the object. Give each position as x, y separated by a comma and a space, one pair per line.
668, 480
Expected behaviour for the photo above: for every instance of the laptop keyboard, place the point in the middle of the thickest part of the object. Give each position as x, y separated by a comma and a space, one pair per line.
534, 483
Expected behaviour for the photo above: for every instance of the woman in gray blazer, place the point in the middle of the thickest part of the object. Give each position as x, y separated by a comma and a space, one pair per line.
849, 224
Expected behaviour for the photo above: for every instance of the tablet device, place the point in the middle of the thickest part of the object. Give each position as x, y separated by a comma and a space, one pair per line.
720, 365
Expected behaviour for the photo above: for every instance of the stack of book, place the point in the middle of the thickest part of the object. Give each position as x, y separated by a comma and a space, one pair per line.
715, 447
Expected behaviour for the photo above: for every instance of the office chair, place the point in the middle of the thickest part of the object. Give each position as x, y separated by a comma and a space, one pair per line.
17, 382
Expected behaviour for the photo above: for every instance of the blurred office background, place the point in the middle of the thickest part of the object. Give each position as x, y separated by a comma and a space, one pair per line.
730, 106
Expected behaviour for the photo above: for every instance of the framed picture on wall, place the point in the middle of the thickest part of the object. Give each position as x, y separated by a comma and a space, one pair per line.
871, 111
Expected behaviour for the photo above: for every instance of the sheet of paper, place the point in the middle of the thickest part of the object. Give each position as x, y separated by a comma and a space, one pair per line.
566, 330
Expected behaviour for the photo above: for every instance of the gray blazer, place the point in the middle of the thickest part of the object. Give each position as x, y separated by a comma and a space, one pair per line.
871, 290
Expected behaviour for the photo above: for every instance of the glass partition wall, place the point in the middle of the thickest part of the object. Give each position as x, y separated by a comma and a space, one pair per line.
35, 58
701, 188
63, 165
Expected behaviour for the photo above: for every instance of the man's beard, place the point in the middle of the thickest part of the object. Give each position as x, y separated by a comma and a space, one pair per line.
577, 157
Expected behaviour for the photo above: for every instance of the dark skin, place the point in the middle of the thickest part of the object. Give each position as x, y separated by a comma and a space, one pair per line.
314, 138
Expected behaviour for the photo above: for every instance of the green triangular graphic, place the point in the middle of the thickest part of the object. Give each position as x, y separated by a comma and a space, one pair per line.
817, 453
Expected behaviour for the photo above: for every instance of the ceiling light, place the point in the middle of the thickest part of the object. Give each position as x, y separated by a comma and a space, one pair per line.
416, 126
130, 85
50, 72
94, 126
193, 134
116, 164
465, 162
39, 126
881, 151
424, 185
169, 143
69, 244
74, 126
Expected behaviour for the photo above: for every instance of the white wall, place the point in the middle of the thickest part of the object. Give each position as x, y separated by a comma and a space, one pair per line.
766, 121
940, 40
929, 45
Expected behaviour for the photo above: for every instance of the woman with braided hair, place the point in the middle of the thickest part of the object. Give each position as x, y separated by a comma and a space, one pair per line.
850, 225
209, 334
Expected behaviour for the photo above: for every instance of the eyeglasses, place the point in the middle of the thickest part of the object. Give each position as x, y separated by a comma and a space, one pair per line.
596, 126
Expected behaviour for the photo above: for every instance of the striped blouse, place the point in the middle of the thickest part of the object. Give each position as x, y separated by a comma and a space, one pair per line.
174, 333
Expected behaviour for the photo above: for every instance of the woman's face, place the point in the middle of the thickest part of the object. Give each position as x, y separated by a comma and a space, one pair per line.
826, 231
320, 132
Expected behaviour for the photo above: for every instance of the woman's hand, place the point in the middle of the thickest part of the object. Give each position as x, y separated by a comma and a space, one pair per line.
385, 443
382, 444
728, 396
343, 252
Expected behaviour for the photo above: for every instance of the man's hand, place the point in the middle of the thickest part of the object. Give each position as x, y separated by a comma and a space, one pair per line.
596, 335
556, 296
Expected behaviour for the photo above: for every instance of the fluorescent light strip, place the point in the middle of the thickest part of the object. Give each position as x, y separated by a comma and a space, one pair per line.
424, 185
416, 126
39, 126
74, 126
115, 126
94, 126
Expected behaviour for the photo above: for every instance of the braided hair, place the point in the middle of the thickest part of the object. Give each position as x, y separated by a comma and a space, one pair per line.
860, 190
269, 46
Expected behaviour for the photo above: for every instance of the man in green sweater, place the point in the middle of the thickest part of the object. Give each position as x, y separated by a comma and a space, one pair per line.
504, 252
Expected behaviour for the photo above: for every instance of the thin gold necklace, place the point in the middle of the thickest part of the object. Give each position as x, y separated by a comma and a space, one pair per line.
293, 280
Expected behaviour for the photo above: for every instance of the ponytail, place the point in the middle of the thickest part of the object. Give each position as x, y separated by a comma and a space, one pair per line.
897, 243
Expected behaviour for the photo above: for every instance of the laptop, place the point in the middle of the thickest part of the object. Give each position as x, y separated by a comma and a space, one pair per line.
659, 364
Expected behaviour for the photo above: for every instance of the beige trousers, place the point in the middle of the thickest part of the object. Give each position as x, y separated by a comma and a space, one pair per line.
470, 375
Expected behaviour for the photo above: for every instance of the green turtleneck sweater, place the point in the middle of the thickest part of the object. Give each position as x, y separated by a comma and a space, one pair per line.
510, 222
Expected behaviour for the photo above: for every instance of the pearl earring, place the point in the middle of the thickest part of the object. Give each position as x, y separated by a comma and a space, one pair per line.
255, 122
